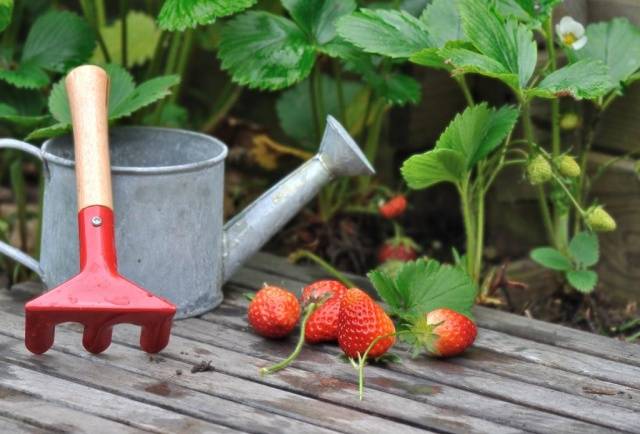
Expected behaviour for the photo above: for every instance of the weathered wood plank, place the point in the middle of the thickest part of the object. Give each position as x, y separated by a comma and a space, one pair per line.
440, 371
563, 337
8, 425
382, 381
160, 390
604, 347
388, 382
55, 418
94, 401
257, 395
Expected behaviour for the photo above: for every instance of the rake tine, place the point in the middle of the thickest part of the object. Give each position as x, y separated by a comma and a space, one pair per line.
96, 339
155, 335
39, 332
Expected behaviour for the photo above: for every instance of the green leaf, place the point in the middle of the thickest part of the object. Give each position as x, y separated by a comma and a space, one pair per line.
147, 93
425, 285
124, 98
56, 42
396, 89
395, 34
616, 43
551, 258
469, 62
509, 43
317, 18
584, 248
6, 11
583, 280
59, 41
21, 107
442, 19
296, 117
264, 51
181, 14
25, 76
48, 132
529, 11
432, 167
584, 79
477, 131
142, 39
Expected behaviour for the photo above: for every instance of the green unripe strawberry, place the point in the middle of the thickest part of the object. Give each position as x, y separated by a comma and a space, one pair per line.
568, 166
539, 170
599, 220
570, 121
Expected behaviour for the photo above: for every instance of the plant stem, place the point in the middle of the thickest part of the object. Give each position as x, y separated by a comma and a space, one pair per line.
19, 191
479, 226
296, 351
342, 107
542, 198
299, 254
183, 60
462, 82
124, 7
560, 216
91, 13
315, 107
469, 227
227, 98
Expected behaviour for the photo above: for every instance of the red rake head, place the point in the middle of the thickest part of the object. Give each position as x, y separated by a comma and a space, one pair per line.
98, 297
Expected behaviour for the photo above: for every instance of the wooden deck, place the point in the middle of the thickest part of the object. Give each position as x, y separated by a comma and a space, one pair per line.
521, 376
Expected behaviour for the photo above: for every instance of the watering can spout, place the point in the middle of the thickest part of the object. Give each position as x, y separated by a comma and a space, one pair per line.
246, 233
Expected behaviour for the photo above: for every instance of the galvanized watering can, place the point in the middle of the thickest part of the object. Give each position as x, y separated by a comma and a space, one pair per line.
168, 194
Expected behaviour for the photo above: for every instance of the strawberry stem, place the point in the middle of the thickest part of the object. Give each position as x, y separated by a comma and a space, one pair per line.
308, 311
363, 359
302, 253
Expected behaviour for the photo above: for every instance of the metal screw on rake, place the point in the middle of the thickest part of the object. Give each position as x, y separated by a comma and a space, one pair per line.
98, 297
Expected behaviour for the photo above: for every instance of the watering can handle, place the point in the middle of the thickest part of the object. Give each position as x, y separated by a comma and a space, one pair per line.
5, 248
88, 90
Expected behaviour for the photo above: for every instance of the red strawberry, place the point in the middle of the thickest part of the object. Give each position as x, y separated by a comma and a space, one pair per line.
361, 320
394, 207
321, 287
399, 249
322, 325
274, 312
455, 333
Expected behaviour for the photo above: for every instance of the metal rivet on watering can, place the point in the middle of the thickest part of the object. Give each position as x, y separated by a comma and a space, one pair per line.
96, 221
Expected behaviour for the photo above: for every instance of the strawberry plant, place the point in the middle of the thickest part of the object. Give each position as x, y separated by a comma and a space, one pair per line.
496, 39
266, 51
575, 263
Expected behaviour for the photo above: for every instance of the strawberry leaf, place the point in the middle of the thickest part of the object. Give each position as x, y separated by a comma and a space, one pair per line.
582, 280
124, 98
6, 11
425, 285
181, 14
264, 51
584, 249
317, 18
551, 258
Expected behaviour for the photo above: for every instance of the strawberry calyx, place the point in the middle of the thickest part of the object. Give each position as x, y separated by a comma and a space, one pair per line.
312, 304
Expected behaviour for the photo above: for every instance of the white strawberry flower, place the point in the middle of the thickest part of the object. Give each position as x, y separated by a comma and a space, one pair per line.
571, 33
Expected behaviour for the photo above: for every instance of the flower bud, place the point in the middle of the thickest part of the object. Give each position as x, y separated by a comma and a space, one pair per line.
568, 166
599, 220
539, 170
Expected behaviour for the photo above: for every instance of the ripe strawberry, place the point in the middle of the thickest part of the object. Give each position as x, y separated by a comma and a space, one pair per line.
322, 325
361, 320
399, 249
454, 334
394, 207
274, 312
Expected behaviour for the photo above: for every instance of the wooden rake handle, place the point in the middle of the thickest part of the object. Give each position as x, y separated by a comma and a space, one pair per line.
88, 91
